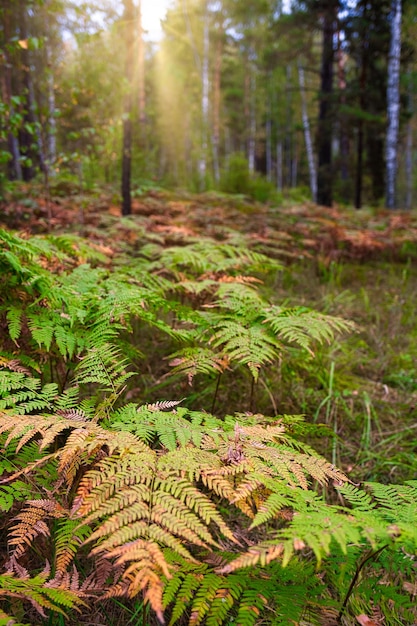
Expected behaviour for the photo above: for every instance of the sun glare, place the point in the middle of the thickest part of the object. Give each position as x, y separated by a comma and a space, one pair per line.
153, 11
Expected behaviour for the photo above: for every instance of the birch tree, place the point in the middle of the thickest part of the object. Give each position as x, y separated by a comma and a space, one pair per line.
307, 134
393, 104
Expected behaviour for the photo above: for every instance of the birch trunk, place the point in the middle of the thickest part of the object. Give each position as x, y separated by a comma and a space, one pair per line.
307, 135
393, 104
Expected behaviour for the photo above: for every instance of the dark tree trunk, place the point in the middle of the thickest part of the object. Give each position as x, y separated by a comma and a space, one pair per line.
343, 121
15, 169
31, 139
325, 121
362, 104
129, 29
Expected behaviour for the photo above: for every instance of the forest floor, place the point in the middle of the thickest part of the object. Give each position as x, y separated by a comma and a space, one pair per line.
360, 265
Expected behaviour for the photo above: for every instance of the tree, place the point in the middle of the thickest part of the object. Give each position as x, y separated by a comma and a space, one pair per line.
307, 134
9, 125
328, 11
129, 29
393, 103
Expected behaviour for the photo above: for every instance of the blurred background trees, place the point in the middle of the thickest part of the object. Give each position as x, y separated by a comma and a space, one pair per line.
258, 97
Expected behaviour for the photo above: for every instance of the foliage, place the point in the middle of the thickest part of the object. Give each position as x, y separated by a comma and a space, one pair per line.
208, 519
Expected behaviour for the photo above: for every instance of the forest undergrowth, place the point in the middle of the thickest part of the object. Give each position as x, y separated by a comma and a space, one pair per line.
207, 412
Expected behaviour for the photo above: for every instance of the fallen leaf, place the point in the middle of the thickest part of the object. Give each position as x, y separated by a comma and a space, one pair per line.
364, 620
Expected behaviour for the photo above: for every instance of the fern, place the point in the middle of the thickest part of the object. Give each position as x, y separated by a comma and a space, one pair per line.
206, 256
302, 326
210, 520
246, 344
36, 591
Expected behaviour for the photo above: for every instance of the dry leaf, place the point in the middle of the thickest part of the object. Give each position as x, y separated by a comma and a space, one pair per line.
364, 620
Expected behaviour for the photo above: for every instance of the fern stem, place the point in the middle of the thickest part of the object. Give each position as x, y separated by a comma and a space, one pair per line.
215, 392
271, 397
252, 395
354, 580
51, 369
64, 382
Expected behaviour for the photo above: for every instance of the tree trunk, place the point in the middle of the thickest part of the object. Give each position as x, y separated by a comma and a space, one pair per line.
129, 29
250, 115
307, 135
51, 136
325, 121
216, 104
362, 105
15, 169
141, 70
409, 166
288, 139
31, 117
343, 128
279, 166
268, 136
205, 84
409, 151
393, 104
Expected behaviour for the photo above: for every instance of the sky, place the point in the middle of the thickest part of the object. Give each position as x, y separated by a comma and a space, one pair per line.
155, 10
152, 13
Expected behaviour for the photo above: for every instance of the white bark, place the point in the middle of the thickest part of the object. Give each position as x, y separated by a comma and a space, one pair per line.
393, 104
205, 83
307, 135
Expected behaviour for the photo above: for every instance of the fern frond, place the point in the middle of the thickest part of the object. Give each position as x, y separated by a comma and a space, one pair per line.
69, 536
14, 320
247, 345
207, 256
170, 428
145, 572
358, 498
103, 365
31, 523
261, 554
36, 591
17, 492
163, 405
195, 360
302, 326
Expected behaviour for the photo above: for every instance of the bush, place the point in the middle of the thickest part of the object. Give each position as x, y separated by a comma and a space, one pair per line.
236, 179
